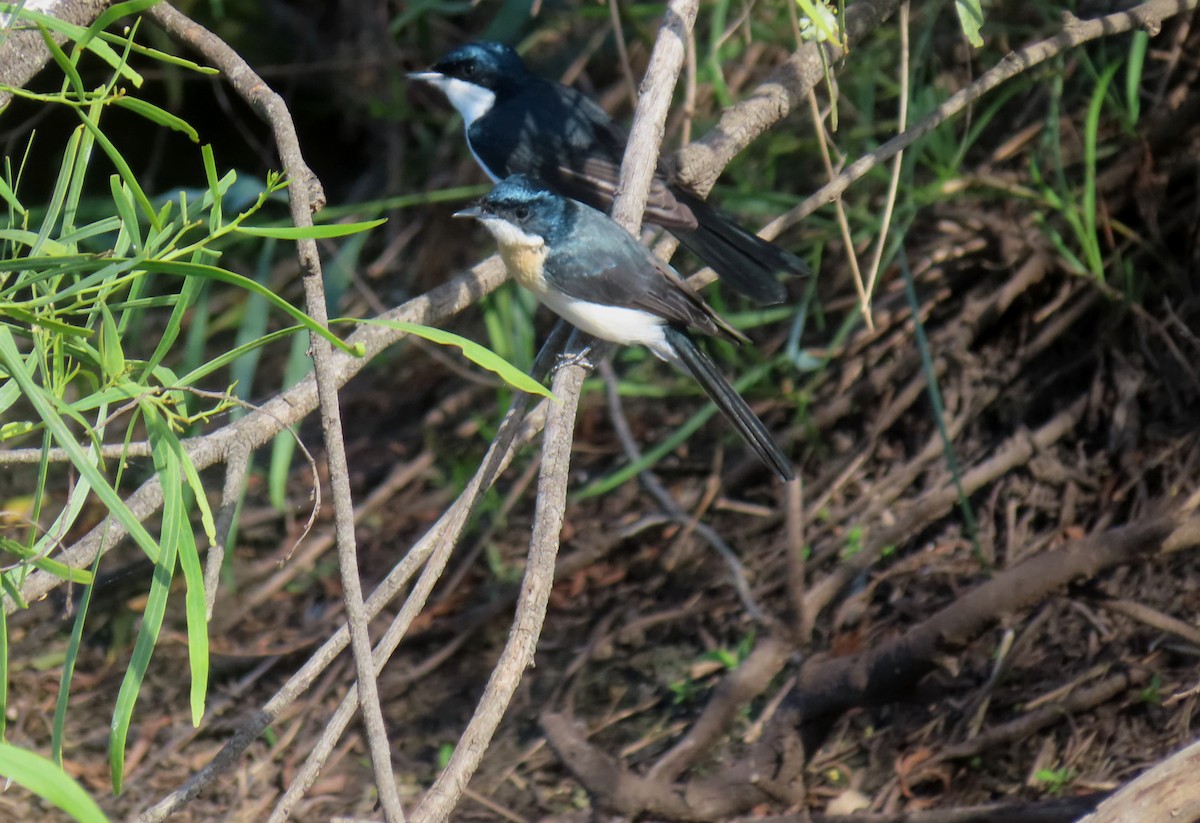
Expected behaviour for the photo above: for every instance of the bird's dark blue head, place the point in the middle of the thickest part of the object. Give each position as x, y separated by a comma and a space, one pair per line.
493, 66
529, 206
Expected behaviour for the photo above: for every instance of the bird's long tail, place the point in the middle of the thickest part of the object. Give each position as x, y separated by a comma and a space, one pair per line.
746, 262
729, 401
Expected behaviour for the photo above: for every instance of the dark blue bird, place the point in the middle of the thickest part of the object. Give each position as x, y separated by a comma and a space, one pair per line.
595, 275
519, 123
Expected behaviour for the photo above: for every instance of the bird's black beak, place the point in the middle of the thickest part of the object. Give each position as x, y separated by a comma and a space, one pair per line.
470, 211
426, 76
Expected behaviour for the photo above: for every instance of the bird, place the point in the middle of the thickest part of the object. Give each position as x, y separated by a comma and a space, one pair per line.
591, 272
518, 122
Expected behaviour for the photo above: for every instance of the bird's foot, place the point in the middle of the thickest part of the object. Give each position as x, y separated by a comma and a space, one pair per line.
580, 357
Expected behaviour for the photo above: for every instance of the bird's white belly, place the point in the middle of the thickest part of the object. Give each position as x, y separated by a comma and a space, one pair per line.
617, 324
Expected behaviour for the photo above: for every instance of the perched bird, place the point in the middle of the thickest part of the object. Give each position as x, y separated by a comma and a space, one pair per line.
595, 275
519, 123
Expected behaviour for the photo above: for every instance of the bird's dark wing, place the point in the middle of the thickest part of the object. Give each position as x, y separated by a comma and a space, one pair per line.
560, 135
606, 265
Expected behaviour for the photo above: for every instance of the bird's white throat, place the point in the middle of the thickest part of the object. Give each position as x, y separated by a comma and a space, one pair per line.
509, 235
472, 101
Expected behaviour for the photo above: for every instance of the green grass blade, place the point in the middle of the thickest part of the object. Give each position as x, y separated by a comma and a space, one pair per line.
650, 457
284, 444
935, 400
1091, 132
1134, 66
48, 781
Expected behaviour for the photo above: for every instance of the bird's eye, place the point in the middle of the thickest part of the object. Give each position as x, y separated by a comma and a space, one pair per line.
468, 70
521, 213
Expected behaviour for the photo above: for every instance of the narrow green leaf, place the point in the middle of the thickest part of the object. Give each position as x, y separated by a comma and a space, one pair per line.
214, 188
477, 354
111, 15
1139, 42
28, 238
64, 63
44, 405
127, 211
1091, 135
156, 115
61, 703
174, 522
49, 782
60, 570
213, 273
319, 232
10, 197
123, 168
196, 606
219, 362
32, 320
74, 32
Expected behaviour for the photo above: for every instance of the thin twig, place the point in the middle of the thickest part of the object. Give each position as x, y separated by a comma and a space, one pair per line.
306, 196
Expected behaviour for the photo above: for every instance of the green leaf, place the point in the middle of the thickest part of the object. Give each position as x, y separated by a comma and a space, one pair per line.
111, 15
58, 729
123, 168
28, 238
43, 778
213, 273
477, 354
127, 211
970, 17
112, 355
44, 404
1139, 41
60, 570
65, 64
321, 232
74, 32
196, 607
174, 522
156, 115
10, 197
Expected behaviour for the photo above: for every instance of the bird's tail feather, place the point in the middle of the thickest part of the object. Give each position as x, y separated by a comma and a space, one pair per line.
729, 402
746, 262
